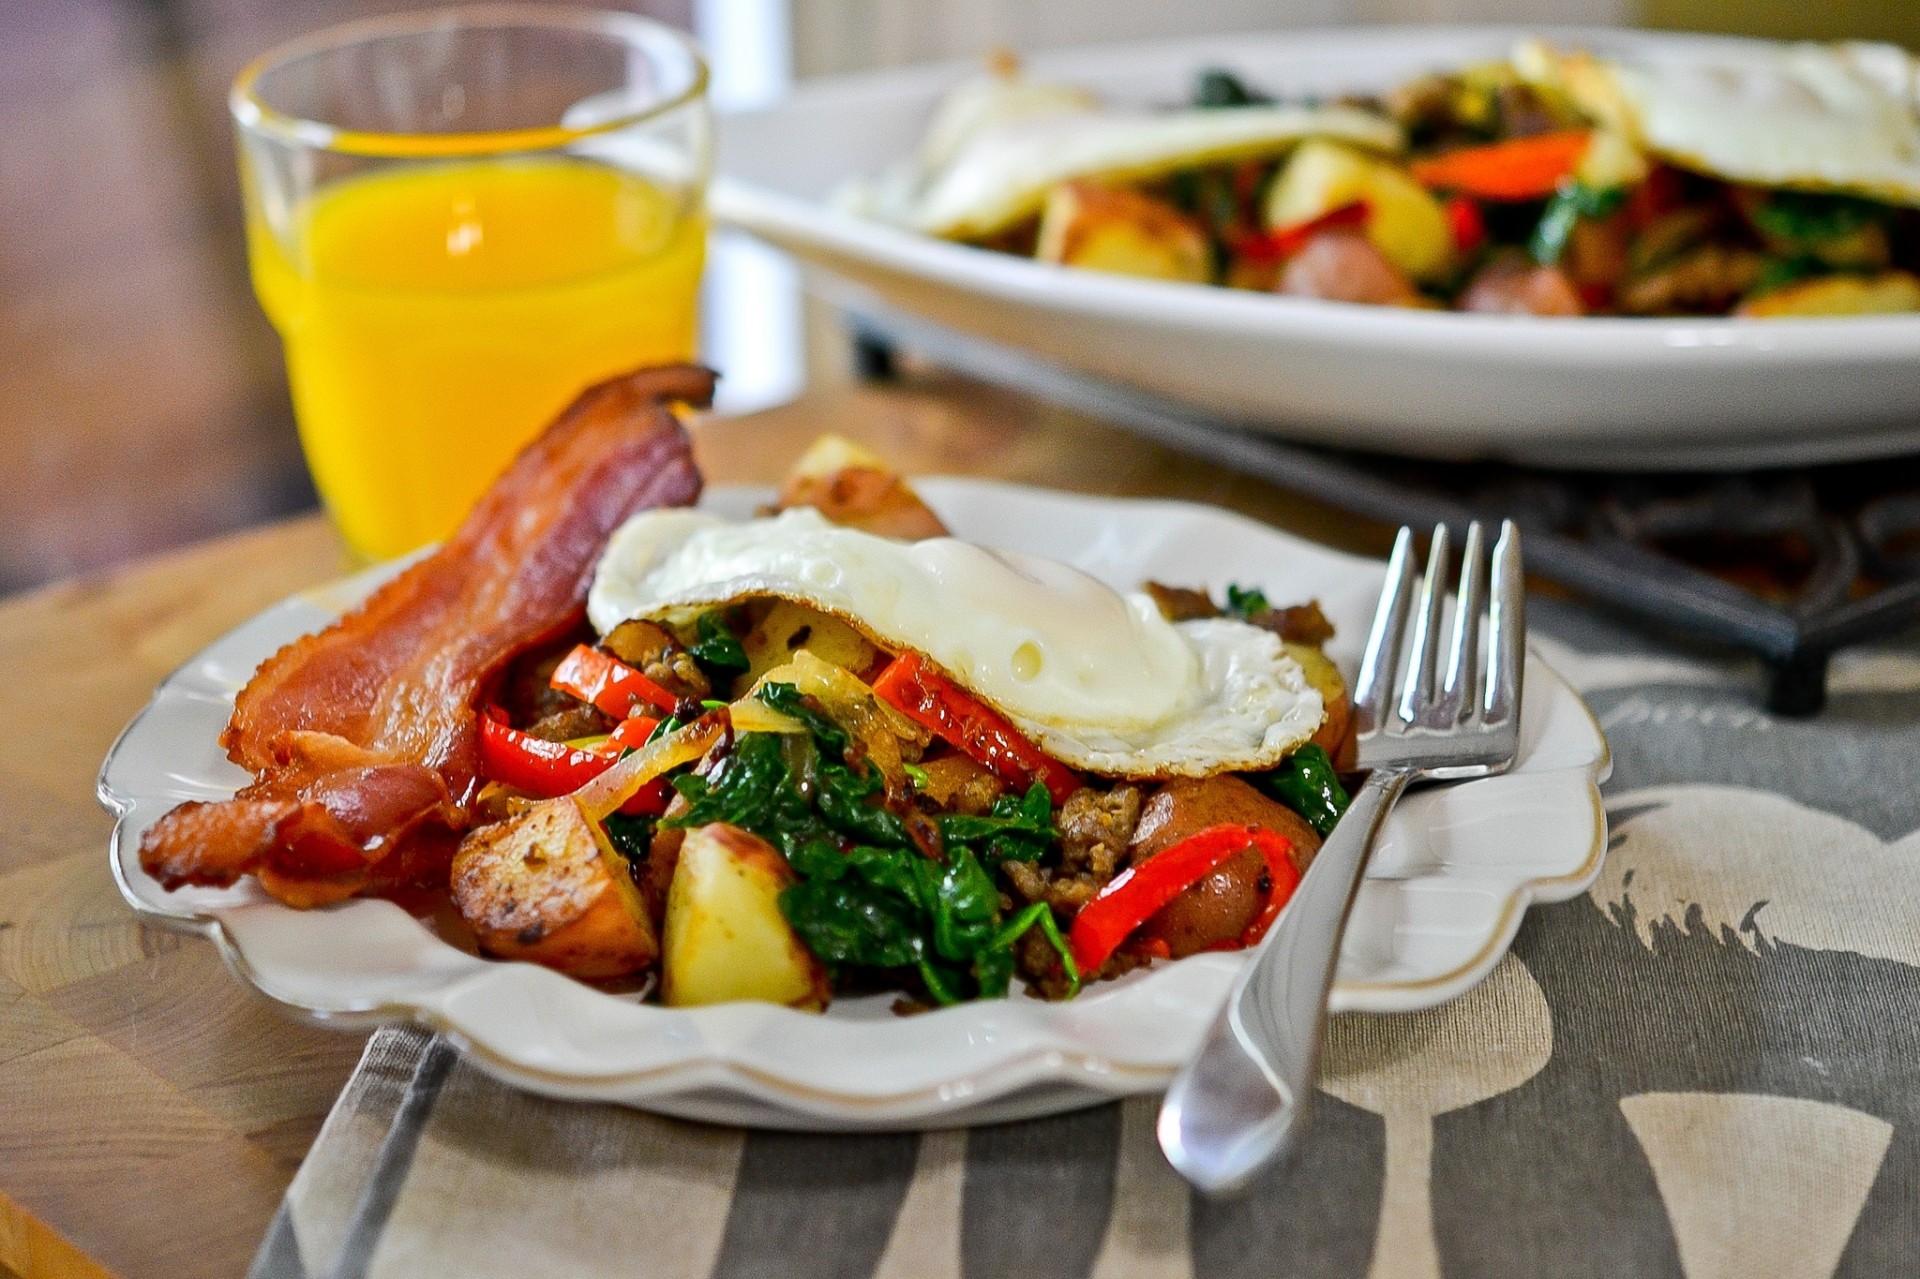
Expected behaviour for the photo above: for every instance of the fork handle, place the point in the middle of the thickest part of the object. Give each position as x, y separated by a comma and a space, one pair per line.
1238, 1104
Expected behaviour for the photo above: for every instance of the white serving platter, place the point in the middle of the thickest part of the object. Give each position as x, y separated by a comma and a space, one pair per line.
1445, 893
1608, 393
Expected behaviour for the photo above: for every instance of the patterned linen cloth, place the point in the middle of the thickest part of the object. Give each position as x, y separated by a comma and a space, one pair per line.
1708, 1066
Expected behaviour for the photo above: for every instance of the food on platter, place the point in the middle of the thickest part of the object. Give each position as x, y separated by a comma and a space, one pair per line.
827, 750
1773, 180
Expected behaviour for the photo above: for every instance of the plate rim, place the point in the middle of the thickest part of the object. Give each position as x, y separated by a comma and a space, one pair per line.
750, 1093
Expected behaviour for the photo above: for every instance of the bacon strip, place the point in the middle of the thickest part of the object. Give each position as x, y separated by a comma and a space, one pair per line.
364, 739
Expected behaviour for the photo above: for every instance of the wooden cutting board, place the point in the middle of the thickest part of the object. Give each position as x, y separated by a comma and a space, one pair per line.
152, 1110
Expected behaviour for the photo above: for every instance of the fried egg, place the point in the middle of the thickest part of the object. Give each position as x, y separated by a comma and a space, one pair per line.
1817, 117
998, 146
1098, 679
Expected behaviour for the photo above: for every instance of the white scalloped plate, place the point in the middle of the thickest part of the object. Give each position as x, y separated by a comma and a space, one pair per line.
1442, 900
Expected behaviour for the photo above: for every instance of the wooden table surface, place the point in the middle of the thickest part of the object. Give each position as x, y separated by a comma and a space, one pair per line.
152, 1110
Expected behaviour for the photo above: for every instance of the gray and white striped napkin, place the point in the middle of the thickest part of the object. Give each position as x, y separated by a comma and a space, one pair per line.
1709, 1065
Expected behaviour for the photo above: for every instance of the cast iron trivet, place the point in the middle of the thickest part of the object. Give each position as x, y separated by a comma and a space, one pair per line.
1790, 565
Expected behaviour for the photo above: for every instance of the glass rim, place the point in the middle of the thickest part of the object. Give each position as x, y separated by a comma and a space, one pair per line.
254, 115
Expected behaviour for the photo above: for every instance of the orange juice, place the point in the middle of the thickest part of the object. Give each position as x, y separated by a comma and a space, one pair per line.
436, 317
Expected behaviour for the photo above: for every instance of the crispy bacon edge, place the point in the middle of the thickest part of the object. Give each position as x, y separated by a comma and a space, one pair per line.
363, 738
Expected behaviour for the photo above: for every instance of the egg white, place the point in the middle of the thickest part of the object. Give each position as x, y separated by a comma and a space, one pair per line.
1819, 117
997, 146
1098, 679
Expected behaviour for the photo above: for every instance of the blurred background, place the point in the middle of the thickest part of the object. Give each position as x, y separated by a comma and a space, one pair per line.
142, 401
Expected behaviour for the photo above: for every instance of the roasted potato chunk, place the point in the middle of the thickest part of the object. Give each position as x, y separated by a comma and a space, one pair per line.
545, 886
1297, 623
1181, 603
1888, 293
1335, 734
851, 486
726, 938
1404, 221
1122, 232
786, 628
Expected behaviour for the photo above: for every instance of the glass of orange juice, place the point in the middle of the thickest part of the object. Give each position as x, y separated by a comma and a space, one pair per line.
457, 220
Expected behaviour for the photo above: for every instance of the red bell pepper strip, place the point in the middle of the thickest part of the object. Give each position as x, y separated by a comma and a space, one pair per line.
609, 683
551, 769
1521, 169
1277, 851
632, 733
652, 799
533, 764
1137, 893
1464, 221
1250, 245
929, 698
1284, 242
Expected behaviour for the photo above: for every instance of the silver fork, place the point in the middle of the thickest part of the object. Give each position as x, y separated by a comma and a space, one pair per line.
1237, 1106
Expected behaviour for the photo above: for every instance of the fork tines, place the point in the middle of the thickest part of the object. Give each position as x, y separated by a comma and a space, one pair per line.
1420, 698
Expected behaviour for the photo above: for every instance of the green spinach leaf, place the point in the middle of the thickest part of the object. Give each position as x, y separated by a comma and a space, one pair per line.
1810, 218
753, 789
1018, 828
1042, 915
1218, 87
847, 921
789, 701
1246, 603
963, 902
1307, 784
1778, 273
716, 650
1573, 201
631, 836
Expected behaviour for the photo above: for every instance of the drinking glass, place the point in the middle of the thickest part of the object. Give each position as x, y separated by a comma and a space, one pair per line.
457, 220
